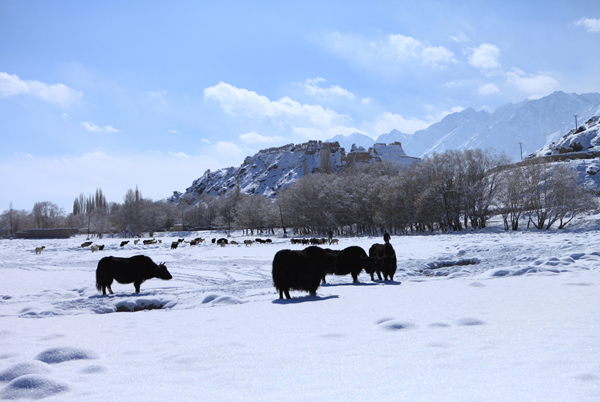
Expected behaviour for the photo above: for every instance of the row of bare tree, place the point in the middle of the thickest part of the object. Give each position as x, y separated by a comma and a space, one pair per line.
450, 191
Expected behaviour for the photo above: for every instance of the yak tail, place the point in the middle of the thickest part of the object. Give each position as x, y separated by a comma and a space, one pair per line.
99, 287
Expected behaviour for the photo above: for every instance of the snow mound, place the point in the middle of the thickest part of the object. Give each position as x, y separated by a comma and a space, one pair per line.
32, 386
60, 355
139, 304
217, 299
21, 369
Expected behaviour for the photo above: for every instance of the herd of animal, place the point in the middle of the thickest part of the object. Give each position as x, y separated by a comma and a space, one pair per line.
300, 270
305, 270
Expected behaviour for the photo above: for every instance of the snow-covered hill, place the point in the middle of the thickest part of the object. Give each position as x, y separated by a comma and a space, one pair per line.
274, 169
533, 123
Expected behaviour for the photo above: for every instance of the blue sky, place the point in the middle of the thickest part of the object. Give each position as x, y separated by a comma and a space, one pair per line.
115, 94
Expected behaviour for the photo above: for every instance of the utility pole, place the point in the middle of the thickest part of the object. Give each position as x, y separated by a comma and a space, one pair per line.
575, 120
521, 146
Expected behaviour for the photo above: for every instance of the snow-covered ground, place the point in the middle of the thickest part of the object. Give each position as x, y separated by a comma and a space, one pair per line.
486, 316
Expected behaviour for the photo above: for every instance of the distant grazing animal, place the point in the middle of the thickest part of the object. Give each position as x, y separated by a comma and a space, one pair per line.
351, 260
180, 240
94, 248
174, 245
213, 240
260, 241
199, 239
136, 241
85, 244
101, 247
268, 241
235, 243
193, 243
384, 261
38, 250
300, 270
222, 244
124, 243
136, 270
150, 241
160, 241
248, 242
334, 241
222, 240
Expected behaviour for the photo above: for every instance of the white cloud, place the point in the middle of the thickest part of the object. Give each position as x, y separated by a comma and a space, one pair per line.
179, 155
592, 25
488, 89
461, 37
56, 93
437, 115
386, 122
365, 101
536, 86
453, 84
173, 131
485, 57
96, 129
311, 86
65, 115
205, 141
434, 56
404, 47
387, 55
23, 154
255, 138
239, 101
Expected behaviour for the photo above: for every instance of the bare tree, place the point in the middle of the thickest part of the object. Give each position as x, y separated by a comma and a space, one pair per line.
47, 215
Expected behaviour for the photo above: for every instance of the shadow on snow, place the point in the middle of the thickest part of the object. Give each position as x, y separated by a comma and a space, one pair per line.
303, 299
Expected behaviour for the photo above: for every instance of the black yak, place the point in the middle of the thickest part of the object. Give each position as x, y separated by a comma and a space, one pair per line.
85, 244
124, 242
351, 260
174, 245
384, 261
222, 241
136, 270
300, 270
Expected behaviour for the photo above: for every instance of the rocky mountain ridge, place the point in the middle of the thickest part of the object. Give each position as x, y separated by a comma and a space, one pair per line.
274, 169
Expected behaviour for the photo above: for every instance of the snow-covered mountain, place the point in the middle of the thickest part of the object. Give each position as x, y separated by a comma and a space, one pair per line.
274, 169
530, 124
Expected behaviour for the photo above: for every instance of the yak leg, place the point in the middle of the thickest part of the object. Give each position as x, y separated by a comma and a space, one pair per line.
137, 286
281, 294
287, 294
379, 275
109, 290
354, 277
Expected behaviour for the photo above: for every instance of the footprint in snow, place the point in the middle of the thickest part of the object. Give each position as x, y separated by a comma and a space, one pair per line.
468, 322
394, 325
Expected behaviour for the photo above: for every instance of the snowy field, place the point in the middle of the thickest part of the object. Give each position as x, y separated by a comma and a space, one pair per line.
486, 316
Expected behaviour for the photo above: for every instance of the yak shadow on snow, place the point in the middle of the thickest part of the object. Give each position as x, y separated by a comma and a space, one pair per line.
327, 285
302, 299
391, 283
